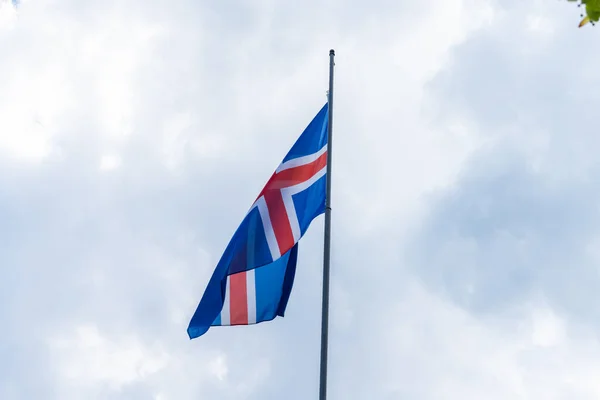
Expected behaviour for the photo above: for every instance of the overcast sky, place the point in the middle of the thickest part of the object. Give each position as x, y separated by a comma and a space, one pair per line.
135, 134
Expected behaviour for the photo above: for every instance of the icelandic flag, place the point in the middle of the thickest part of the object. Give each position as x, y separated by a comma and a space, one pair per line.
253, 279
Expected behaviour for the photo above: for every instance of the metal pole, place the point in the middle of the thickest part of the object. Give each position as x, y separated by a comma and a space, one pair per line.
327, 244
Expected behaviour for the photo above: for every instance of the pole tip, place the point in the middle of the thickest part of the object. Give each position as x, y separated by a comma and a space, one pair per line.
332, 52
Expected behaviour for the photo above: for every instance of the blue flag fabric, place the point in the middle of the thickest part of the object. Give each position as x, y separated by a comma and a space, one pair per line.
272, 285
253, 279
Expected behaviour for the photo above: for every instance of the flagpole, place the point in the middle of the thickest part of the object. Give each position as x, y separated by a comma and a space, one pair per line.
327, 237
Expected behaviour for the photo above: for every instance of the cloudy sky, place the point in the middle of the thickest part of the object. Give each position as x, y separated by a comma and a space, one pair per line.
135, 134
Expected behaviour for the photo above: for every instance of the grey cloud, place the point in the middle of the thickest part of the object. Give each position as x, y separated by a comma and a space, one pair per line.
497, 239
522, 216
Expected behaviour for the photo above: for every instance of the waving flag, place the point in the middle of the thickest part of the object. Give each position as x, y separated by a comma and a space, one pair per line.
253, 279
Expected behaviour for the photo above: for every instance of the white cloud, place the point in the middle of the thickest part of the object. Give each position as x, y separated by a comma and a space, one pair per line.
109, 162
88, 359
8, 15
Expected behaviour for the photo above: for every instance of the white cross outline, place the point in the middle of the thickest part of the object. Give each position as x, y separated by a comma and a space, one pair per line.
286, 194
